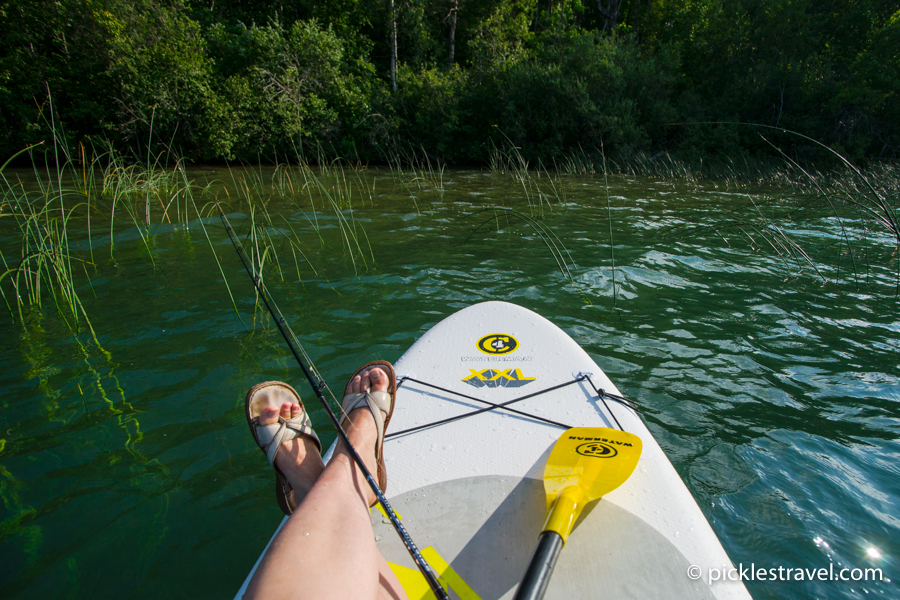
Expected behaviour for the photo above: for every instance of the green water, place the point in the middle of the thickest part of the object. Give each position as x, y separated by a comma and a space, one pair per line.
127, 471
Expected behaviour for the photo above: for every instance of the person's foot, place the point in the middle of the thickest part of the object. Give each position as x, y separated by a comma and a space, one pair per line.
360, 423
299, 458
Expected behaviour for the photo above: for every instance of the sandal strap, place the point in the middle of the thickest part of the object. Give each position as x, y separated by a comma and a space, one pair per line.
271, 436
376, 401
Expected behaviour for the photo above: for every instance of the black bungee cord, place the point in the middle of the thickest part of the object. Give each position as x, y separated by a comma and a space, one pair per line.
318, 384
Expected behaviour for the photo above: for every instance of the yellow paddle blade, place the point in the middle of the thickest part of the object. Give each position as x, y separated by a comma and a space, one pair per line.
585, 464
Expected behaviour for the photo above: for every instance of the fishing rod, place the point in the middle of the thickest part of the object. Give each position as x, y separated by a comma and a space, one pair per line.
318, 384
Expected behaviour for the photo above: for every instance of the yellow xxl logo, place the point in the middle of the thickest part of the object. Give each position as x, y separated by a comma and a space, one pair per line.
497, 378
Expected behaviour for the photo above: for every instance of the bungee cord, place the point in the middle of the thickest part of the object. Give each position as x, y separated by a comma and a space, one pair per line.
602, 395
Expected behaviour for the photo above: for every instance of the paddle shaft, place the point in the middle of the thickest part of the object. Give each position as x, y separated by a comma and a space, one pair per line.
317, 386
537, 577
585, 464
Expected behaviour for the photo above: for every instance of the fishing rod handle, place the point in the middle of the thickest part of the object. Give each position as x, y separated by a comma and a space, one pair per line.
427, 571
537, 576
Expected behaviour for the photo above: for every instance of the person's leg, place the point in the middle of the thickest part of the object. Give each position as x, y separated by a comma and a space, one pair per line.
327, 549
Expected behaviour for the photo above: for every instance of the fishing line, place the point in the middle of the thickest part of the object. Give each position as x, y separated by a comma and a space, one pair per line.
318, 384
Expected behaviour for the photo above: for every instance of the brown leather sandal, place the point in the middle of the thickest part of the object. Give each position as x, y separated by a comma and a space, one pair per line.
270, 437
377, 402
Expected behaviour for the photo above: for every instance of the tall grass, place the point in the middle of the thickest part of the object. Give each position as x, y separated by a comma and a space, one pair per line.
45, 268
54, 216
742, 172
316, 193
860, 205
840, 225
540, 187
557, 249
863, 206
412, 166
56, 220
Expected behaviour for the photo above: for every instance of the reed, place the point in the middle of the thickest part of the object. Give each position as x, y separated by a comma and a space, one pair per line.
274, 241
539, 186
577, 163
413, 167
52, 222
862, 205
45, 268
612, 250
545, 233
742, 172
102, 191
333, 189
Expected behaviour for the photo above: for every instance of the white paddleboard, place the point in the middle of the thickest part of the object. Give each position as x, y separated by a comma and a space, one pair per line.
469, 490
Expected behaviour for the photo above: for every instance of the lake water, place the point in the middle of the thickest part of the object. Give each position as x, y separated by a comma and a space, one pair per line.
127, 470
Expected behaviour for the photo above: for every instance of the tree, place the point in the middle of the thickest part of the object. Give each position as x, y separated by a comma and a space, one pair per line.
610, 12
451, 18
56, 47
393, 30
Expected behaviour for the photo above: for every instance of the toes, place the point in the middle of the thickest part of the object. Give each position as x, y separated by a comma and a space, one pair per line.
269, 415
286, 409
355, 385
365, 380
374, 379
378, 379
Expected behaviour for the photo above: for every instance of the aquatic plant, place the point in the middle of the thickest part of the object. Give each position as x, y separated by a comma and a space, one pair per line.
860, 205
46, 265
545, 233
413, 168
612, 251
49, 258
509, 161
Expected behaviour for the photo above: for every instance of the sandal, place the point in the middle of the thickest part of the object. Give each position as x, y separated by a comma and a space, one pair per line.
270, 437
376, 402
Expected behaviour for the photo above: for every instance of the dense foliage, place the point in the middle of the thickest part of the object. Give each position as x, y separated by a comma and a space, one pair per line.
265, 81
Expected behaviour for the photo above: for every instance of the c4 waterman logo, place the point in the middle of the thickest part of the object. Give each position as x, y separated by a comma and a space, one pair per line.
596, 450
497, 343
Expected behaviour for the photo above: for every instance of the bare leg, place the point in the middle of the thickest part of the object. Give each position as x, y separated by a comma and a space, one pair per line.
327, 549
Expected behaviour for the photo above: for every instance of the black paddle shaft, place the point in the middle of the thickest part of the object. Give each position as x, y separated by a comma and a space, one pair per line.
537, 577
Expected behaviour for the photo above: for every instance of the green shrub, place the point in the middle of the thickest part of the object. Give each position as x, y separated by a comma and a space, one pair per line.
428, 102
561, 94
53, 49
164, 78
287, 89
